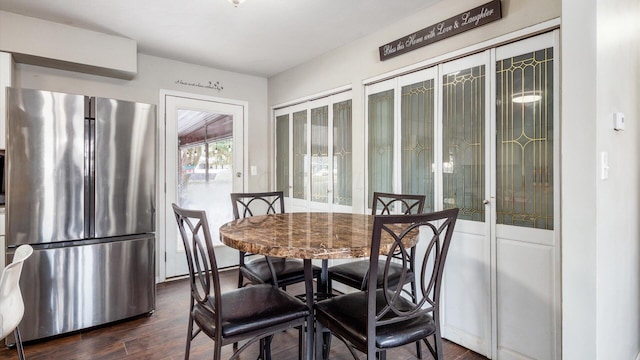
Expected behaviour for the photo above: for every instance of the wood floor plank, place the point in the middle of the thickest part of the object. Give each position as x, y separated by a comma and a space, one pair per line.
162, 336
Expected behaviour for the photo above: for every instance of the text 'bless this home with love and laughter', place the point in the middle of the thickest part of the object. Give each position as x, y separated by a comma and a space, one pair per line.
468, 20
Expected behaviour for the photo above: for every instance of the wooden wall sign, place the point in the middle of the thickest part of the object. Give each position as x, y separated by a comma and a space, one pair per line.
469, 20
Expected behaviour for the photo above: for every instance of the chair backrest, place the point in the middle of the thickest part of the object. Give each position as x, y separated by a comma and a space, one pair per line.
203, 268
252, 204
11, 302
437, 229
387, 203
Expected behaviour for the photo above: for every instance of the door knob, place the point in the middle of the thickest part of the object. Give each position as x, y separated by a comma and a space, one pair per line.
238, 174
485, 202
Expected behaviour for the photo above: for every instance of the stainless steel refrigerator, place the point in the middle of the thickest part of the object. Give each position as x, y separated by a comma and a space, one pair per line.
80, 189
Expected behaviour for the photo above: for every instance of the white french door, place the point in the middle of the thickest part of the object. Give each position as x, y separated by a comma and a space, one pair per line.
314, 155
479, 133
204, 152
464, 155
525, 200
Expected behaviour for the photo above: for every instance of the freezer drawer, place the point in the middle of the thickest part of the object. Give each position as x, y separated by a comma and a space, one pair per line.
71, 288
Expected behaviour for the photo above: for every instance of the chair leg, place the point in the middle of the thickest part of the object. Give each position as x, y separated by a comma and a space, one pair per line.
189, 337
265, 348
326, 344
437, 339
300, 342
16, 333
414, 294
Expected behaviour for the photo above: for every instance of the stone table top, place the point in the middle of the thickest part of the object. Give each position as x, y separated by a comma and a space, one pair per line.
303, 235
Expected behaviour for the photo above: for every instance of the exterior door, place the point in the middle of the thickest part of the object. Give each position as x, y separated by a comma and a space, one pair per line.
204, 164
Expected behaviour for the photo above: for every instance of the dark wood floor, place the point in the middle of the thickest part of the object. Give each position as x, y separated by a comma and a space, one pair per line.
162, 336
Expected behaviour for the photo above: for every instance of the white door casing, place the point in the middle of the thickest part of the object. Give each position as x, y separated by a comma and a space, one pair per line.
172, 262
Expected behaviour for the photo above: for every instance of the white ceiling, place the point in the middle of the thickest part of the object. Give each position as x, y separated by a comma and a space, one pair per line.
260, 37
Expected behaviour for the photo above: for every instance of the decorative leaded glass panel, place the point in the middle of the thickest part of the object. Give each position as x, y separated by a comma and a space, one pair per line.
320, 154
463, 142
342, 153
524, 140
417, 121
282, 154
300, 156
380, 160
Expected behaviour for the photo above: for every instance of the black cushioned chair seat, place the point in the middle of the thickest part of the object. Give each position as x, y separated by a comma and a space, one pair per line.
249, 309
346, 315
353, 274
289, 271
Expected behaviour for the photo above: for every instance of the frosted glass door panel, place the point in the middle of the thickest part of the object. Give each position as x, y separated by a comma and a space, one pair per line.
463, 150
417, 123
524, 140
342, 153
300, 155
320, 154
282, 154
381, 135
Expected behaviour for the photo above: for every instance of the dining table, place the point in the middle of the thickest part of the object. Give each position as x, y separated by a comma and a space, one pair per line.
307, 236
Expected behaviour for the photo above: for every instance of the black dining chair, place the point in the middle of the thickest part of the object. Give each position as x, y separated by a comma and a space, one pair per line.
253, 313
258, 269
377, 319
355, 274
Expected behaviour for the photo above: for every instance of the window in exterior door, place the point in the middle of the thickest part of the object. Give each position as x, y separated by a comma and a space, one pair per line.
300, 158
524, 140
320, 154
282, 154
463, 121
418, 141
380, 159
342, 153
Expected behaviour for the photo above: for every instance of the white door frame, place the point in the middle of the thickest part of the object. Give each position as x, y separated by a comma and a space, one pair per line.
161, 187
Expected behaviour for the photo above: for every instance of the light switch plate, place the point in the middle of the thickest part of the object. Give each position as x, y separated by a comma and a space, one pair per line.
604, 165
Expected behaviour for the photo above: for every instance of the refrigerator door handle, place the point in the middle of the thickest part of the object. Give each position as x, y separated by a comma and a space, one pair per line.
89, 177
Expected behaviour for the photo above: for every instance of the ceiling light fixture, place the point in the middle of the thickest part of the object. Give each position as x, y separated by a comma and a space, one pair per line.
236, 2
527, 97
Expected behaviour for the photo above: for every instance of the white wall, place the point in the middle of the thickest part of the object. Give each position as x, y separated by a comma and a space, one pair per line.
157, 73
352, 64
600, 224
618, 198
578, 179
